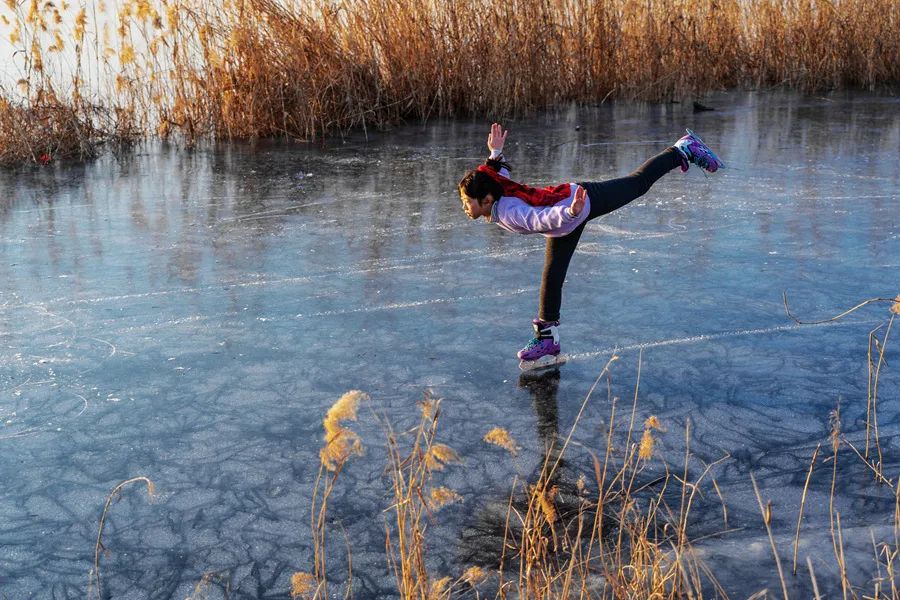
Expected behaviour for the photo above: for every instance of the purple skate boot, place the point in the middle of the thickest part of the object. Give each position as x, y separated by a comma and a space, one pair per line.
693, 150
543, 349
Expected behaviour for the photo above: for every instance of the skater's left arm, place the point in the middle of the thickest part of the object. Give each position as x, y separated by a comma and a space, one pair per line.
578, 201
525, 218
537, 219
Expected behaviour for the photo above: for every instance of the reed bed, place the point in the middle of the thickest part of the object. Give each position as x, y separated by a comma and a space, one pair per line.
624, 535
613, 538
44, 129
301, 69
618, 537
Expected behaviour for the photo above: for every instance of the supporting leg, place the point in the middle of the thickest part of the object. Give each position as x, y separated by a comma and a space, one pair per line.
557, 255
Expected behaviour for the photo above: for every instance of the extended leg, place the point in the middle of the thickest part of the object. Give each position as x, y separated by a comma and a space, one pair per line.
607, 196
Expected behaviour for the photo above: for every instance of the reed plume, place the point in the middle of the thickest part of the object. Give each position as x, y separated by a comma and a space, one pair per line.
302, 584
340, 442
501, 437
648, 442
442, 496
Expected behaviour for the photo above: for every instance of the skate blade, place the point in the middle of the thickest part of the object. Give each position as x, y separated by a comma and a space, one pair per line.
544, 361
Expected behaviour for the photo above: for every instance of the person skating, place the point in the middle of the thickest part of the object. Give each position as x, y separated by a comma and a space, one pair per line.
560, 213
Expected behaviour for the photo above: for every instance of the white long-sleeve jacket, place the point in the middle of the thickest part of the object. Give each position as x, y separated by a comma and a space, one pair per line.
513, 214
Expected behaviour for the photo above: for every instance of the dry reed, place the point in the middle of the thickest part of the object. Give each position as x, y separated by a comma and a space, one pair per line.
767, 521
411, 474
557, 547
812, 464
836, 439
95, 584
304, 68
340, 444
617, 539
202, 589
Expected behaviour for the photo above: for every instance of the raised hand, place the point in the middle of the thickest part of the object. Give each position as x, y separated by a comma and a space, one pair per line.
496, 138
578, 201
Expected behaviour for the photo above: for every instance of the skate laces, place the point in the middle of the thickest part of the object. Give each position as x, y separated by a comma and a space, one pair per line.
701, 154
683, 147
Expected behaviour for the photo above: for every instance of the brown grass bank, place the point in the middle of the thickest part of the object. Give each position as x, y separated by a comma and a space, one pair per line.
303, 68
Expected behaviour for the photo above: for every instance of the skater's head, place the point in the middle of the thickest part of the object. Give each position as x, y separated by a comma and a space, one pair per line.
478, 191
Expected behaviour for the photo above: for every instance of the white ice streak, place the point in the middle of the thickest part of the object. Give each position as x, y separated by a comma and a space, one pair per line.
274, 213
84, 400
74, 328
331, 313
621, 143
20, 434
112, 352
704, 337
166, 324
430, 301
616, 231
50, 207
411, 263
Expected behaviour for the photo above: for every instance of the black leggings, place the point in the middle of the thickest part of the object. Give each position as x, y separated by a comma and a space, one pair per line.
605, 197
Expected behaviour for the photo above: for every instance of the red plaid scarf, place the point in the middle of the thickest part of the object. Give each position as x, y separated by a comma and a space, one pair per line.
547, 196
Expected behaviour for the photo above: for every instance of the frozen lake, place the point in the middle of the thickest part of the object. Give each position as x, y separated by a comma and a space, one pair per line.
190, 316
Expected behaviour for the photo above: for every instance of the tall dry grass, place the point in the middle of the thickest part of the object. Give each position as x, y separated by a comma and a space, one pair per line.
616, 538
626, 535
622, 536
304, 68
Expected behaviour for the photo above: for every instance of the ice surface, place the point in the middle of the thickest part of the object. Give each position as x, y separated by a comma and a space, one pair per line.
191, 316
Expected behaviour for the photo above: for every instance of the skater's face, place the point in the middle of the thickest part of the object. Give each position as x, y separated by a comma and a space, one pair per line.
474, 208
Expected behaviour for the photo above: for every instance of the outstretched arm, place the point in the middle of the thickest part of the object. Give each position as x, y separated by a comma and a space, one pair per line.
535, 219
495, 141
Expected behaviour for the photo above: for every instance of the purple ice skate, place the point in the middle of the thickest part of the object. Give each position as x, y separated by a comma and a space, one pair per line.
693, 150
543, 349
